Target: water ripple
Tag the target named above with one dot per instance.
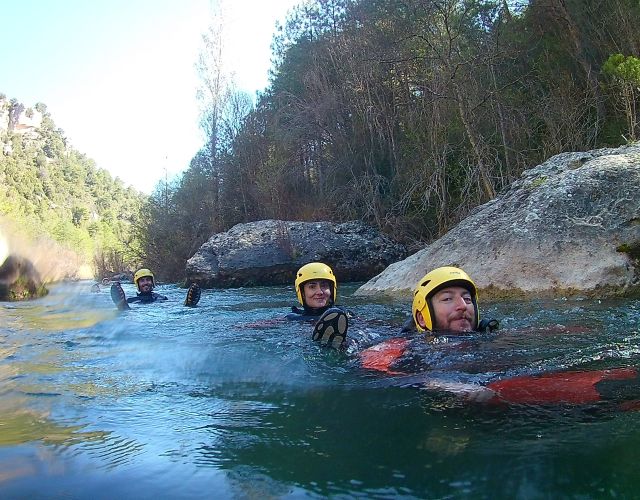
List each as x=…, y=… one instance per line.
x=228, y=397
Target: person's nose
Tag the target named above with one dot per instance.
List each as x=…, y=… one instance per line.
x=461, y=303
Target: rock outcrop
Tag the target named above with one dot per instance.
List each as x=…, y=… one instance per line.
x=568, y=226
x=14, y=117
x=269, y=252
x=19, y=280
x=27, y=265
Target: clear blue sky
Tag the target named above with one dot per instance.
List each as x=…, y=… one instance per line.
x=118, y=76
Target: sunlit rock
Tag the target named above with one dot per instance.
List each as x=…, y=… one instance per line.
x=269, y=252
x=568, y=226
x=85, y=272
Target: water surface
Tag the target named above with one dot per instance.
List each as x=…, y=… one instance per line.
x=164, y=401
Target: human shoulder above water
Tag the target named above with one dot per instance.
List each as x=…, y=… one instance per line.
x=145, y=283
x=445, y=301
x=316, y=288
x=317, y=291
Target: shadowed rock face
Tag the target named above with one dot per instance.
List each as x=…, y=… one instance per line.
x=19, y=280
x=269, y=252
x=568, y=226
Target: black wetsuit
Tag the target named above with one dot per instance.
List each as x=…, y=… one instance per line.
x=147, y=298
x=486, y=325
x=312, y=314
x=306, y=313
x=406, y=354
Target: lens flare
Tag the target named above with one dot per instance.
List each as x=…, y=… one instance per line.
x=4, y=249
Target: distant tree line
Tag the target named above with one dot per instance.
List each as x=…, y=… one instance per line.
x=404, y=113
x=50, y=190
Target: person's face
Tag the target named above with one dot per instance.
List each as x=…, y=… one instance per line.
x=145, y=284
x=317, y=293
x=453, y=310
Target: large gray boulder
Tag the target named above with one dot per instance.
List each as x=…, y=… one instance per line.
x=569, y=226
x=269, y=252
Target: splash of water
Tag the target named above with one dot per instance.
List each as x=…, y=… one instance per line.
x=4, y=248
x=52, y=261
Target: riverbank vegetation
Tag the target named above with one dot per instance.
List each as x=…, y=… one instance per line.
x=55, y=200
x=407, y=114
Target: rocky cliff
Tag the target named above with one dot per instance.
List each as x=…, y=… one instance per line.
x=269, y=252
x=15, y=117
x=568, y=226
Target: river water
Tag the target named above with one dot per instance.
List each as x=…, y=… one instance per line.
x=164, y=401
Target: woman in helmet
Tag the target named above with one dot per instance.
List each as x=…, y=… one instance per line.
x=145, y=282
x=317, y=288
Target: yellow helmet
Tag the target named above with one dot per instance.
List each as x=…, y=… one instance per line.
x=141, y=273
x=435, y=281
x=314, y=271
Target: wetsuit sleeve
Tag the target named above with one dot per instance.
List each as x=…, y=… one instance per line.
x=381, y=357
x=488, y=325
x=298, y=314
x=409, y=326
x=561, y=387
x=299, y=317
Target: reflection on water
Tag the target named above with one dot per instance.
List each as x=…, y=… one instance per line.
x=169, y=401
x=20, y=425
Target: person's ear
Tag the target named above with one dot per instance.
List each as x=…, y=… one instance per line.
x=420, y=320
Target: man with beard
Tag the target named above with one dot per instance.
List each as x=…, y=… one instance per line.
x=445, y=307
x=445, y=302
x=145, y=282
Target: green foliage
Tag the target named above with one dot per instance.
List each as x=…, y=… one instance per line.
x=49, y=189
x=625, y=73
x=177, y=219
x=22, y=289
x=631, y=249
x=626, y=69
x=405, y=114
